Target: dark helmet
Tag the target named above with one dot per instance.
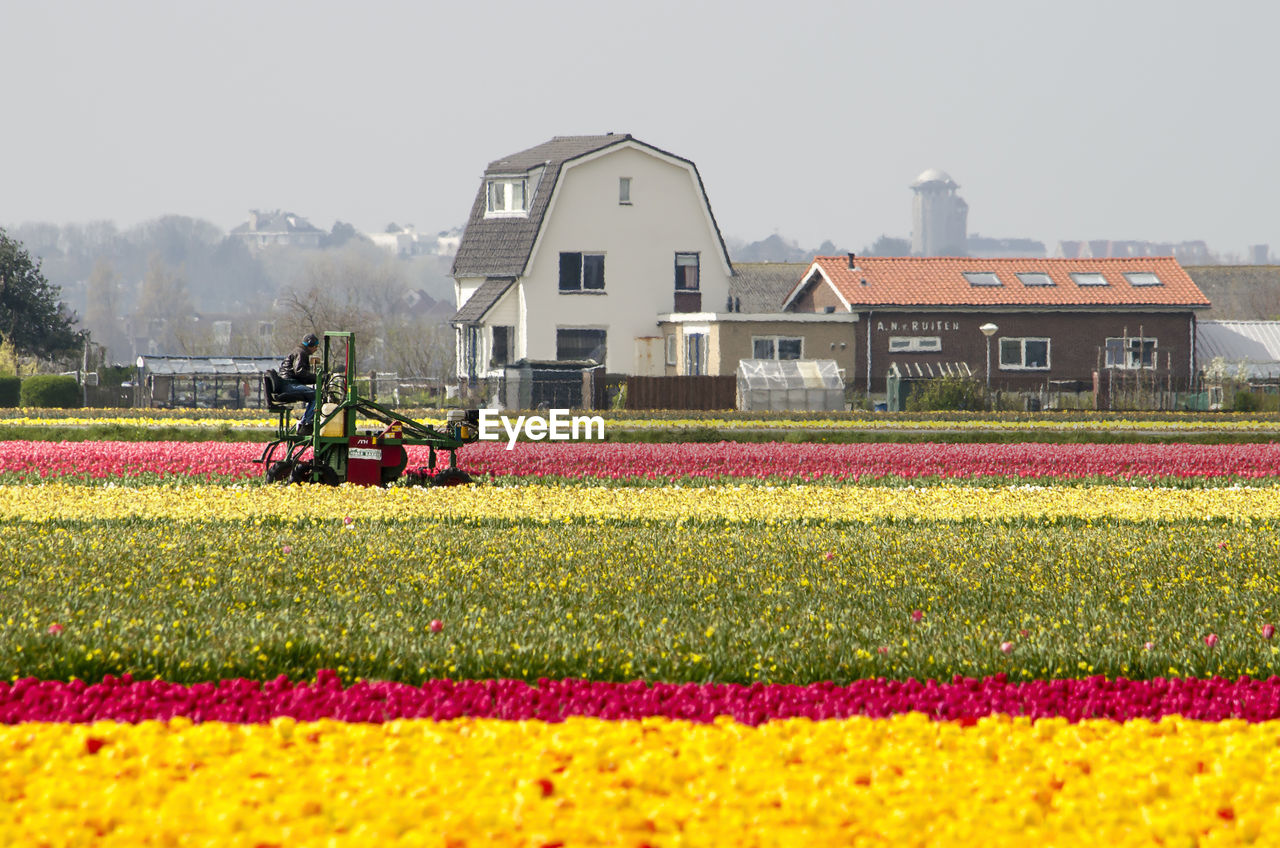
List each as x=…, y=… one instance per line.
x=310, y=340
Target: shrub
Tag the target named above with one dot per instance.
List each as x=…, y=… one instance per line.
x=1246, y=402
x=50, y=391
x=114, y=375
x=10, y=391
x=947, y=393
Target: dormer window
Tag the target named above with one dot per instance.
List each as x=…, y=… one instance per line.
x=508, y=198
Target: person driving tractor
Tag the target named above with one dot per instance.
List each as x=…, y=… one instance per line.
x=299, y=380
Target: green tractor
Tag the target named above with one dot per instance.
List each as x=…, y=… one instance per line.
x=333, y=452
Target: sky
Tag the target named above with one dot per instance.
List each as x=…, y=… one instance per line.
x=1059, y=120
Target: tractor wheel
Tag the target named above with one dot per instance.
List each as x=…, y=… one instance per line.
x=416, y=477
x=279, y=472
x=302, y=474
x=452, y=477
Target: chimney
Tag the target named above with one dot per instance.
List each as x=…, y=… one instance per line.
x=852, y=262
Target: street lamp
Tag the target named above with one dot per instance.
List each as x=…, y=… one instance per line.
x=137, y=383
x=988, y=329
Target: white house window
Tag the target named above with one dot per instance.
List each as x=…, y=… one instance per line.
x=1088, y=279
x=581, y=272
x=671, y=350
x=576, y=343
x=624, y=191
x=915, y=344
x=982, y=278
x=687, y=272
x=501, y=350
x=507, y=198
x=1131, y=353
x=1024, y=354
x=695, y=354
x=777, y=347
x=266, y=329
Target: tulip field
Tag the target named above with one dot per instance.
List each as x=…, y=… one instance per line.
x=644, y=644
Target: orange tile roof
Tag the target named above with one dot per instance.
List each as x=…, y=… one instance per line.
x=940, y=281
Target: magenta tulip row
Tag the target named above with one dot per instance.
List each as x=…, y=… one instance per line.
x=963, y=699
x=660, y=461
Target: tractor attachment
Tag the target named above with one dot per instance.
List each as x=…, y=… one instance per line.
x=333, y=452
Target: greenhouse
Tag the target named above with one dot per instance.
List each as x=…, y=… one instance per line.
x=810, y=385
x=204, y=382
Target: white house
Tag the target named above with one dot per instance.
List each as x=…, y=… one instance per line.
x=266, y=229
x=573, y=250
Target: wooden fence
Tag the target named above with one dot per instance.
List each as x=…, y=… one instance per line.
x=682, y=392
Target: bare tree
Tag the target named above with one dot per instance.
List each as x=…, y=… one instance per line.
x=164, y=308
x=104, y=310
x=358, y=289
x=420, y=349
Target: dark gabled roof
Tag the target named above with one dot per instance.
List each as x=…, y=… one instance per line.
x=482, y=300
x=275, y=221
x=501, y=246
x=763, y=286
x=1239, y=292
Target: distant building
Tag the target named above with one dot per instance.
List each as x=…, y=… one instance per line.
x=1004, y=248
x=406, y=241
x=447, y=241
x=403, y=241
x=939, y=216
x=1259, y=254
x=1186, y=252
x=265, y=229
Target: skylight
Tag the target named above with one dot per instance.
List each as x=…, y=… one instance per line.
x=1089, y=279
x=1035, y=278
x=982, y=278
x=1142, y=278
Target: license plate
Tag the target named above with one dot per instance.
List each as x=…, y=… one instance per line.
x=365, y=453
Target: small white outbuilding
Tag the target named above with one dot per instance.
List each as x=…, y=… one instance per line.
x=809, y=385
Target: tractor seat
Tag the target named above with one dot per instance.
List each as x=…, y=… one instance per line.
x=271, y=386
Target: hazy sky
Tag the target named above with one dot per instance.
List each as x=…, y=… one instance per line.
x=1059, y=120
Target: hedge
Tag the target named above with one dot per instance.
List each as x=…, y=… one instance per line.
x=10, y=391
x=51, y=391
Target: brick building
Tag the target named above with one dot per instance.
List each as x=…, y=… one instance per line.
x=1055, y=320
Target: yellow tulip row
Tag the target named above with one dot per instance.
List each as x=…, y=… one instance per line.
x=258, y=423
x=248, y=420
x=747, y=503
x=902, y=781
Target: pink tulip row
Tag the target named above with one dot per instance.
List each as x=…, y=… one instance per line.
x=857, y=461
x=128, y=459
x=663, y=461
x=963, y=699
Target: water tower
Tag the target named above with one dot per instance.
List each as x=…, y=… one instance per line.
x=939, y=216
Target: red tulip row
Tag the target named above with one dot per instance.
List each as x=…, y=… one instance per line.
x=663, y=461
x=963, y=699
